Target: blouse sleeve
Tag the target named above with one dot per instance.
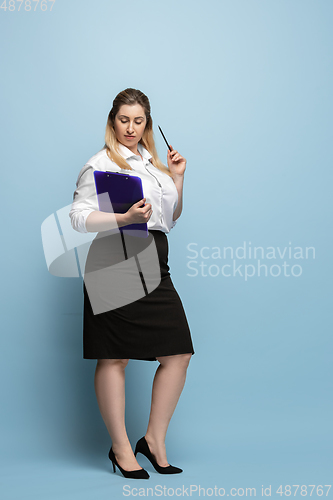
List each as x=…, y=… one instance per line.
x=84, y=199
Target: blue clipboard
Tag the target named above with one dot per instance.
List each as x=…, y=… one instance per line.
x=124, y=190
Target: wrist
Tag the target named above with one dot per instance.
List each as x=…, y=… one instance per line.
x=122, y=219
x=178, y=180
x=177, y=177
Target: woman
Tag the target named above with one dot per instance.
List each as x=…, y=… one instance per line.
x=153, y=327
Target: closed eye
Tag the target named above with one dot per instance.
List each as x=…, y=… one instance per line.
x=137, y=122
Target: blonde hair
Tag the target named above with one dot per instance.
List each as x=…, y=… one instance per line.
x=131, y=97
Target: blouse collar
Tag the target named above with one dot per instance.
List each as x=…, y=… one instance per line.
x=127, y=153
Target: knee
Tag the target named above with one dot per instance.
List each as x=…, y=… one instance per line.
x=115, y=363
x=185, y=359
x=179, y=360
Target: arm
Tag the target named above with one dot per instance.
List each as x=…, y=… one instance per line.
x=86, y=216
x=84, y=200
x=177, y=166
x=179, y=182
x=104, y=221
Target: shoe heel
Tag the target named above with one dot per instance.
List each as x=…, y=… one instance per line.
x=142, y=447
x=134, y=474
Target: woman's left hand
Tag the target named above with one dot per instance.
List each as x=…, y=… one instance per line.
x=176, y=162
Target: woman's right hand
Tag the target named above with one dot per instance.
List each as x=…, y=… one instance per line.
x=138, y=214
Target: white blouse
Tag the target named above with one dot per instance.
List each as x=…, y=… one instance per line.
x=158, y=188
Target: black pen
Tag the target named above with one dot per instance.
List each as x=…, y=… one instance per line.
x=170, y=148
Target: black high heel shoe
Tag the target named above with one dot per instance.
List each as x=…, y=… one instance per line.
x=142, y=447
x=133, y=474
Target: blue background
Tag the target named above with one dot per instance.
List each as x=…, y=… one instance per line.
x=243, y=89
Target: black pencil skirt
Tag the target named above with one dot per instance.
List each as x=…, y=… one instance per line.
x=132, y=271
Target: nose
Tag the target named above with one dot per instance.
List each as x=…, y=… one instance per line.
x=130, y=128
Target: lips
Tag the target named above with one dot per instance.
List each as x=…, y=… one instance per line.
x=130, y=136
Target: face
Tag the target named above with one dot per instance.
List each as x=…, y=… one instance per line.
x=129, y=125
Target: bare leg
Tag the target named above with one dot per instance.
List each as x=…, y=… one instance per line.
x=110, y=393
x=167, y=387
